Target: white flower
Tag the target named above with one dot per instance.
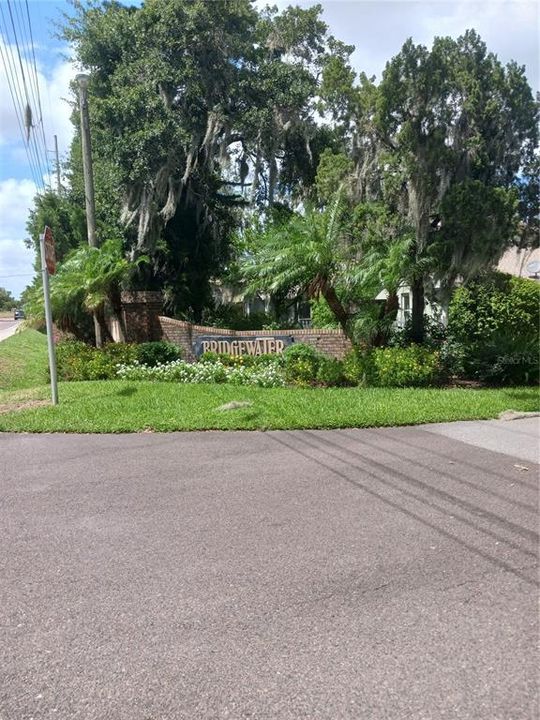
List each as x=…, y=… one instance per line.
x=268, y=375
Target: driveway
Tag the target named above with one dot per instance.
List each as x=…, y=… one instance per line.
x=281, y=575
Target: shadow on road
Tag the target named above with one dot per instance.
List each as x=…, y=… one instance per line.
x=407, y=481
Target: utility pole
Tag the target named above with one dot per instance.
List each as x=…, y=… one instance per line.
x=58, y=183
x=83, y=79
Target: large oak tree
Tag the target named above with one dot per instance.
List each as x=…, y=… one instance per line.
x=462, y=127
x=198, y=107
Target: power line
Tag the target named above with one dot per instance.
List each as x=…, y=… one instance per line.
x=4, y=277
x=25, y=42
x=15, y=97
x=23, y=74
x=41, y=153
x=27, y=103
x=37, y=87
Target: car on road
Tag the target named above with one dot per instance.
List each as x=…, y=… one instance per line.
x=18, y=314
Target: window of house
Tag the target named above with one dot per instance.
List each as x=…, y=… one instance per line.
x=406, y=305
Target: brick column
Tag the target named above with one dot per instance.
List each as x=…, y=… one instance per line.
x=140, y=311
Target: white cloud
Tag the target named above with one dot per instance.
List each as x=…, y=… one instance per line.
x=378, y=28
x=16, y=261
x=509, y=28
x=53, y=82
x=16, y=195
x=59, y=106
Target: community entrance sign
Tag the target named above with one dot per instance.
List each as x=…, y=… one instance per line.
x=238, y=345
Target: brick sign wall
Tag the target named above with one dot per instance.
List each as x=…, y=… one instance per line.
x=141, y=310
x=194, y=339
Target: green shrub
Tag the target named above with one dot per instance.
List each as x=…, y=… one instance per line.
x=331, y=373
x=156, y=353
x=358, y=367
x=210, y=357
x=268, y=359
x=241, y=360
x=403, y=367
x=301, y=351
x=236, y=360
x=78, y=361
x=452, y=359
x=105, y=361
x=321, y=315
x=435, y=334
x=72, y=359
x=495, y=323
x=301, y=363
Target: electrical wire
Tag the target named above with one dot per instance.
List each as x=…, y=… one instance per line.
x=4, y=277
x=36, y=79
x=16, y=93
x=24, y=88
x=40, y=151
x=11, y=77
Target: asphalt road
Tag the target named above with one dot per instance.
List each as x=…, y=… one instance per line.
x=350, y=574
x=8, y=328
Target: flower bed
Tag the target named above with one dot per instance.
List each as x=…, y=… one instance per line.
x=204, y=372
x=301, y=366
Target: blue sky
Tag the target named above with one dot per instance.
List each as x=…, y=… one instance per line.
x=377, y=29
x=49, y=57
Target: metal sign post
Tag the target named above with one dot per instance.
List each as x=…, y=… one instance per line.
x=48, y=267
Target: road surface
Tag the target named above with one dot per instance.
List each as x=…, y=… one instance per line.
x=318, y=574
x=8, y=328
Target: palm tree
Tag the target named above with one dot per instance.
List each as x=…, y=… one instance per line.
x=306, y=253
x=87, y=279
x=94, y=276
x=321, y=253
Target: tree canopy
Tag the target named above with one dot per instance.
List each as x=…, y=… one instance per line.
x=208, y=118
x=198, y=109
x=7, y=301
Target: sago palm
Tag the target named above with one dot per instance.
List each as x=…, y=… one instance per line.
x=305, y=253
x=87, y=278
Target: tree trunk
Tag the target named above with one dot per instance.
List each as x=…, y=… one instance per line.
x=116, y=311
x=419, y=209
x=272, y=176
x=418, y=307
x=256, y=170
x=337, y=308
x=387, y=315
x=98, y=331
x=100, y=327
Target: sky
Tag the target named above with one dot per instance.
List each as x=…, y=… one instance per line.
x=377, y=29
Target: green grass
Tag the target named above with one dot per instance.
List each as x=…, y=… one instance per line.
x=120, y=406
x=23, y=360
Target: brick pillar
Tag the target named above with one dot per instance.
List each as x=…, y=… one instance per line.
x=140, y=311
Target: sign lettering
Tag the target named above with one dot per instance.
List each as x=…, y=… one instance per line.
x=241, y=346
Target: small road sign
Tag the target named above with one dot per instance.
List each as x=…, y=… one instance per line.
x=50, y=254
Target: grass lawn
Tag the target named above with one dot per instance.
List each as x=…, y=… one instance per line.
x=121, y=406
x=23, y=361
